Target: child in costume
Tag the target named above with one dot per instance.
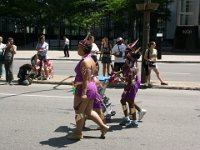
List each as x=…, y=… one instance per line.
x=132, y=84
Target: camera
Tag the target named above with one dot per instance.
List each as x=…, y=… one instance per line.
x=152, y=64
x=119, y=54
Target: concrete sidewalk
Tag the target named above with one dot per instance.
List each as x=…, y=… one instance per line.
x=59, y=55
x=67, y=80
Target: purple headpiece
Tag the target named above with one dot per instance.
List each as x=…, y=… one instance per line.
x=131, y=45
x=87, y=45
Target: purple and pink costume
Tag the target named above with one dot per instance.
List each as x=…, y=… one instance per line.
x=92, y=92
x=135, y=84
x=97, y=100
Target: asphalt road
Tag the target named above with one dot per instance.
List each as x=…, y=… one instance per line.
x=169, y=71
x=38, y=117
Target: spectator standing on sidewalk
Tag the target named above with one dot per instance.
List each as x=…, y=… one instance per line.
x=151, y=58
x=2, y=47
x=10, y=51
x=106, y=51
x=119, y=52
x=42, y=48
x=66, y=46
x=94, y=51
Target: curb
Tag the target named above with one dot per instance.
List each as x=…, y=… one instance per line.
x=59, y=59
x=73, y=59
x=174, y=87
x=119, y=85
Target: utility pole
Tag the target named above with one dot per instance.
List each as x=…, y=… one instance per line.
x=146, y=7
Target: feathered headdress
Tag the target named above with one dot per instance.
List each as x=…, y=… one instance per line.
x=131, y=45
x=86, y=44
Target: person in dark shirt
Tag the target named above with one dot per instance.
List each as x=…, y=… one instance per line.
x=9, y=53
x=24, y=74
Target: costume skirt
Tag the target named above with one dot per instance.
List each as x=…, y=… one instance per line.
x=131, y=93
x=91, y=93
x=97, y=101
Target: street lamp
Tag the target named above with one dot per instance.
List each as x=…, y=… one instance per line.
x=146, y=8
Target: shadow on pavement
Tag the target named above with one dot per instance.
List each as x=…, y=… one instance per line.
x=58, y=142
x=63, y=129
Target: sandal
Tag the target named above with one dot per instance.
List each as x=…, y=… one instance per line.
x=74, y=136
x=104, y=131
x=163, y=83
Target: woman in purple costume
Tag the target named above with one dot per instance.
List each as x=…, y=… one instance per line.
x=86, y=92
x=132, y=84
x=97, y=106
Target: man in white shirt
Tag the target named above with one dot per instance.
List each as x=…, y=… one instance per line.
x=2, y=47
x=119, y=52
x=66, y=46
x=94, y=52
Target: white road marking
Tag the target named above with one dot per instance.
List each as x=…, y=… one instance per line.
x=30, y=95
x=179, y=73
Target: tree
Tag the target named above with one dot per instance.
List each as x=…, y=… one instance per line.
x=122, y=14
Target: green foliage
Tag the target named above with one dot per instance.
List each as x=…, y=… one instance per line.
x=83, y=13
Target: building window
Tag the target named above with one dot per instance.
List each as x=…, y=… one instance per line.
x=186, y=12
x=187, y=5
x=199, y=15
x=186, y=19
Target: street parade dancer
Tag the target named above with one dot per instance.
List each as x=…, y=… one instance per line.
x=132, y=84
x=86, y=92
x=98, y=101
x=97, y=104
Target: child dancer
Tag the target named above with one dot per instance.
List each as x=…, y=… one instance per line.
x=132, y=83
